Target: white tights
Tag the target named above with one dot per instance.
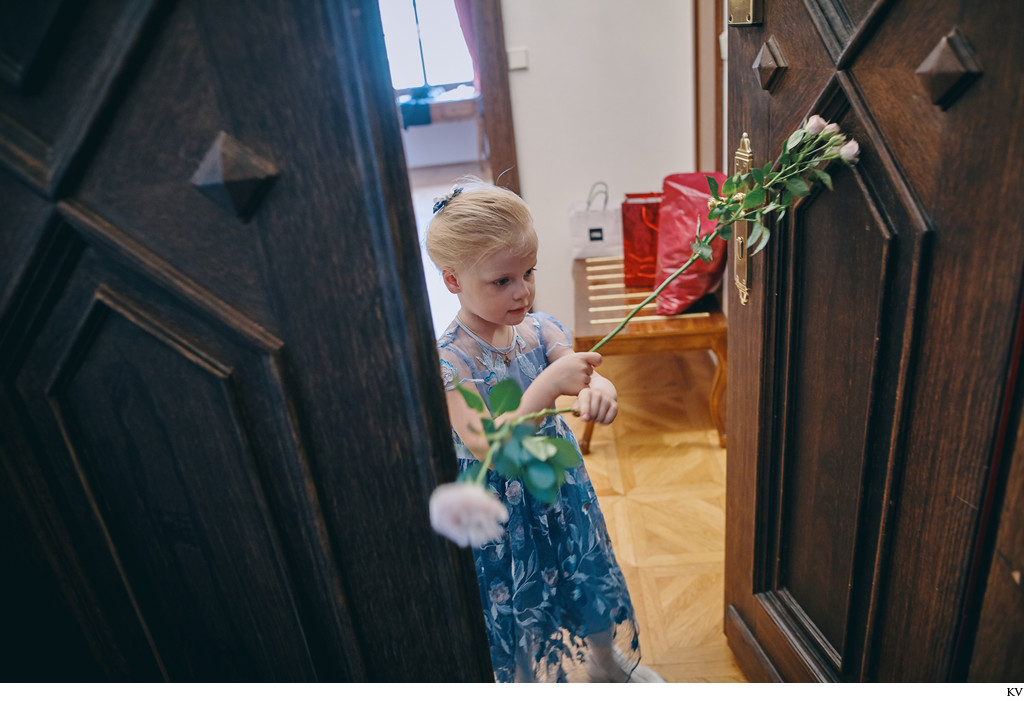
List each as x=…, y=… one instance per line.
x=606, y=663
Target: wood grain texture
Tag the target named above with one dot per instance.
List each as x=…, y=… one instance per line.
x=864, y=363
x=998, y=637
x=49, y=133
x=229, y=431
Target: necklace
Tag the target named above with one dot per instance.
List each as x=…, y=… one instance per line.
x=506, y=354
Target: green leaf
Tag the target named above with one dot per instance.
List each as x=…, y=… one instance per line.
x=795, y=138
x=823, y=177
x=542, y=481
x=548, y=496
x=725, y=233
x=473, y=400
x=787, y=197
x=539, y=475
x=758, y=176
x=782, y=213
x=703, y=250
x=762, y=243
x=753, y=198
x=798, y=187
x=505, y=396
x=489, y=427
x=510, y=458
x=523, y=431
x=538, y=447
x=713, y=187
x=730, y=185
x=471, y=472
x=565, y=456
x=756, y=233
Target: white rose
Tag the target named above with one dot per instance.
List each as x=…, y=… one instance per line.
x=467, y=514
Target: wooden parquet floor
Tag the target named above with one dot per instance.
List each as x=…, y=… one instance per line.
x=660, y=479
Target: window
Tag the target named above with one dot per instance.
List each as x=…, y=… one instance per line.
x=425, y=44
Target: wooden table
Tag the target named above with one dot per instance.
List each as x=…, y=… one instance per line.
x=602, y=301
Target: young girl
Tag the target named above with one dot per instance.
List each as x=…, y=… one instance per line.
x=555, y=601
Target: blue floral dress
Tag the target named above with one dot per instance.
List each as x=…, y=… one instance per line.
x=551, y=585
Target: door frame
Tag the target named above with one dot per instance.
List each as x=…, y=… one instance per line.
x=497, y=99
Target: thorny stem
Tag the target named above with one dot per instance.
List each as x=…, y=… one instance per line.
x=798, y=168
x=544, y=412
x=795, y=169
x=803, y=163
x=710, y=237
x=488, y=459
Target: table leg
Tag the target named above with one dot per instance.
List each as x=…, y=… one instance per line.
x=588, y=431
x=718, y=346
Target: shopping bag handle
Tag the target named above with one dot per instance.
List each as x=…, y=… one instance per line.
x=643, y=215
x=603, y=191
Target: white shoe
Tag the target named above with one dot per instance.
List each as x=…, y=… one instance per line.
x=643, y=674
x=618, y=669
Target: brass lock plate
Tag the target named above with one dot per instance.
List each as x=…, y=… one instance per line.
x=745, y=12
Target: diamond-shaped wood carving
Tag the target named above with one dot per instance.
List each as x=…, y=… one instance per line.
x=234, y=176
x=770, y=64
x=949, y=69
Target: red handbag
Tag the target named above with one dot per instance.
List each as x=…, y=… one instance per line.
x=684, y=200
x=640, y=212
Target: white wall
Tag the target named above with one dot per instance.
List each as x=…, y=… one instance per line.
x=441, y=143
x=607, y=95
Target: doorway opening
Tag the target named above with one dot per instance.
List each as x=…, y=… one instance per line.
x=658, y=471
x=426, y=183
x=447, y=71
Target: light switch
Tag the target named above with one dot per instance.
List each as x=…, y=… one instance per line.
x=518, y=60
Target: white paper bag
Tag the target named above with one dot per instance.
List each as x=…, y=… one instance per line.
x=595, y=227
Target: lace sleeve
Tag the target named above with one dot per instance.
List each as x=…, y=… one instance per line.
x=453, y=369
x=553, y=333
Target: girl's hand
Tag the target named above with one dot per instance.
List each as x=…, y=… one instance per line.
x=598, y=402
x=571, y=373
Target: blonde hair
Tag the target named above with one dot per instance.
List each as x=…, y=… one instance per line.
x=477, y=222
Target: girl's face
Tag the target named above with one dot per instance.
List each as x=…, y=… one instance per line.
x=496, y=292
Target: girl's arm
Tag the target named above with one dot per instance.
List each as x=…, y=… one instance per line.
x=466, y=422
x=569, y=373
x=598, y=401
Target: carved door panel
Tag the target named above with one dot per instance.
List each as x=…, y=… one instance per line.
x=221, y=418
x=869, y=369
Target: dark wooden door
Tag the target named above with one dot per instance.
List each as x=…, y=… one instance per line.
x=870, y=373
x=220, y=412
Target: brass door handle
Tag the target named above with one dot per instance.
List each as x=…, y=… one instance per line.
x=741, y=229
